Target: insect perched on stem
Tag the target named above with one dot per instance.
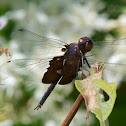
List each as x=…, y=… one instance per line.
x=63, y=68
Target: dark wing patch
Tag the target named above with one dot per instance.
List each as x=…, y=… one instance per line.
x=69, y=72
x=53, y=73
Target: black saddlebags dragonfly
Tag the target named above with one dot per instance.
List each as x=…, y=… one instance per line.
x=52, y=61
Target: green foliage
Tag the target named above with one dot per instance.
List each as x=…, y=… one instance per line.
x=100, y=35
x=92, y=90
x=7, y=31
x=4, y=10
x=105, y=107
x=113, y=8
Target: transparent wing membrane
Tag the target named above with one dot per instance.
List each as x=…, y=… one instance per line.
x=39, y=50
x=33, y=45
x=28, y=69
x=113, y=72
x=109, y=51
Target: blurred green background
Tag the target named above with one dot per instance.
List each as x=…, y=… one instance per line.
x=68, y=21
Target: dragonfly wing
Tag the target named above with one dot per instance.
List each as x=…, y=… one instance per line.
x=112, y=53
x=106, y=50
x=27, y=69
x=53, y=73
x=113, y=72
x=33, y=45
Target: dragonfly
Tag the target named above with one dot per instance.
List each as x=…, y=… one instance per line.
x=52, y=61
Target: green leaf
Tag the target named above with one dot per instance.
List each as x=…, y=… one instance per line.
x=90, y=88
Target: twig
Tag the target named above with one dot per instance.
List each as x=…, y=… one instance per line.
x=74, y=108
x=88, y=117
x=4, y=107
x=7, y=52
x=4, y=112
x=73, y=111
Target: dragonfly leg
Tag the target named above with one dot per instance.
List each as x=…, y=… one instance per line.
x=45, y=96
x=78, y=67
x=87, y=62
x=83, y=68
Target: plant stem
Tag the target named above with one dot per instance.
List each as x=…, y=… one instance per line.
x=73, y=111
x=104, y=123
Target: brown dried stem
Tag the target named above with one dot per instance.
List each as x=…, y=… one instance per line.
x=73, y=111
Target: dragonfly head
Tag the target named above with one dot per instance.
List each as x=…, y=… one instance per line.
x=85, y=44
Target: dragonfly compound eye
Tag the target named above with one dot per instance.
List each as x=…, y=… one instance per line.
x=85, y=44
x=89, y=46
